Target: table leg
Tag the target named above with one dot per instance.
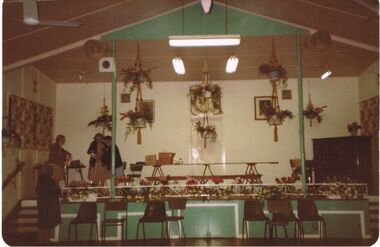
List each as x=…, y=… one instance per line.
x=80, y=173
x=66, y=175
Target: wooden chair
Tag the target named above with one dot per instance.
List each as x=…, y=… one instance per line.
x=253, y=212
x=114, y=206
x=282, y=214
x=136, y=170
x=155, y=212
x=307, y=211
x=177, y=203
x=87, y=214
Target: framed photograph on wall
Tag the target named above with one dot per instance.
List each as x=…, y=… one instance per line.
x=259, y=103
x=148, y=108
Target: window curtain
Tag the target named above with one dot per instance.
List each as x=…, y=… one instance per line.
x=33, y=122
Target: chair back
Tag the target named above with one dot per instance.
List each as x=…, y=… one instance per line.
x=87, y=212
x=115, y=205
x=137, y=167
x=281, y=208
x=155, y=210
x=177, y=203
x=253, y=210
x=307, y=210
x=295, y=163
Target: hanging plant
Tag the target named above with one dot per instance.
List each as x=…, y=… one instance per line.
x=137, y=119
x=104, y=120
x=206, y=132
x=201, y=94
x=312, y=112
x=274, y=70
x=134, y=76
x=276, y=116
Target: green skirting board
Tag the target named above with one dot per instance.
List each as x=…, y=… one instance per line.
x=223, y=219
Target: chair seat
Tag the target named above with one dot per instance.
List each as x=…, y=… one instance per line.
x=312, y=218
x=83, y=221
x=110, y=221
x=144, y=220
x=255, y=218
x=134, y=175
x=174, y=218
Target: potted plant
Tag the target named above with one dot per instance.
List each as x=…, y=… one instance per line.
x=206, y=132
x=276, y=116
x=353, y=128
x=312, y=112
x=136, y=75
x=275, y=72
x=104, y=120
x=137, y=119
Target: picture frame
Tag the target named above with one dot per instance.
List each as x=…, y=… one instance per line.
x=125, y=98
x=259, y=104
x=286, y=94
x=148, y=107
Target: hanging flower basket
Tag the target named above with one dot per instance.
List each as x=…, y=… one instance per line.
x=207, y=132
x=134, y=76
x=276, y=116
x=274, y=73
x=312, y=113
x=200, y=95
x=137, y=119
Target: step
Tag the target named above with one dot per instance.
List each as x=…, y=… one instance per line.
x=23, y=229
x=28, y=211
x=25, y=220
x=29, y=203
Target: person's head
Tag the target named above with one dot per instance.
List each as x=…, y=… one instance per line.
x=107, y=140
x=46, y=170
x=60, y=139
x=98, y=137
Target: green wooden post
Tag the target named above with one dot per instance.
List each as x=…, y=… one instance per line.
x=300, y=110
x=113, y=122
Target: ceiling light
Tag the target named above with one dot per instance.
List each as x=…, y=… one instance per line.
x=204, y=40
x=326, y=74
x=178, y=66
x=232, y=64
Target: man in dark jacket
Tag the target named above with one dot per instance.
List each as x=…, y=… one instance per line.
x=107, y=157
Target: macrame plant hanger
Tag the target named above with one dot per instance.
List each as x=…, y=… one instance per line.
x=138, y=107
x=205, y=82
x=273, y=62
x=310, y=103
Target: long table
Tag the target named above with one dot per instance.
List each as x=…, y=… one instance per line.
x=251, y=174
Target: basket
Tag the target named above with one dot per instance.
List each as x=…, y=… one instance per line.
x=165, y=158
x=151, y=160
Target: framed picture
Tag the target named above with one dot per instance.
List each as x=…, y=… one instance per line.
x=286, y=94
x=259, y=103
x=125, y=98
x=148, y=107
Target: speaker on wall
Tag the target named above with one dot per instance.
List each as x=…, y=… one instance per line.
x=107, y=64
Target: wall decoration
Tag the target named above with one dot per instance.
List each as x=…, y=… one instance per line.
x=125, y=98
x=353, y=128
x=205, y=99
x=104, y=120
x=133, y=78
x=260, y=103
x=277, y=76
x=32, y=122
x=311, y=112
x=286, y=94
x=147, y=106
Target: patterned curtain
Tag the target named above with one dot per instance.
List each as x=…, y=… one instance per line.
x=369, y=120
x=32, y=121
x=43, y=126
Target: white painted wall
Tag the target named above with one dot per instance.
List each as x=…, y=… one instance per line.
x=20, y=82
x=244, y=138
x=369, y=82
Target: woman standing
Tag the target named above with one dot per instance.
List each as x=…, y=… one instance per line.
x=58, y=157
x=97, y=174
x=48, y=207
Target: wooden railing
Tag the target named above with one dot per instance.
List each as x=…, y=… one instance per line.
x=7, y=181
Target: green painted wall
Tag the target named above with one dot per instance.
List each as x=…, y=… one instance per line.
x=192, y=21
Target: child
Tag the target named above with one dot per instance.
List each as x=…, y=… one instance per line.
x=48, y=207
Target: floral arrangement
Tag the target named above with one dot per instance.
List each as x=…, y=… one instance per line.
x=137, y=119
x=217, y=180
x=164, y=180
x=190, y=180
x=312, y=112
x=206, y=132
x=199, y=95
x=271, y=192
x=274, y=72
x=276, y=116
x=353, y=128
x=134, y=76
x=123, y=179
x=104, y=120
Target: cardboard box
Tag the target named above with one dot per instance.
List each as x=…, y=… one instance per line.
x=165, y=158
x=151, y=159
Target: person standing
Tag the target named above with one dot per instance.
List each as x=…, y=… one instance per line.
x=48, y=207
x=58, y=157
x=107, y=158
x=97, y=173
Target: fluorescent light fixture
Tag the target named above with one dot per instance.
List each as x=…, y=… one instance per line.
x=232, y=64
x=326, y=74
x=178, y=65
x=204, y=40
